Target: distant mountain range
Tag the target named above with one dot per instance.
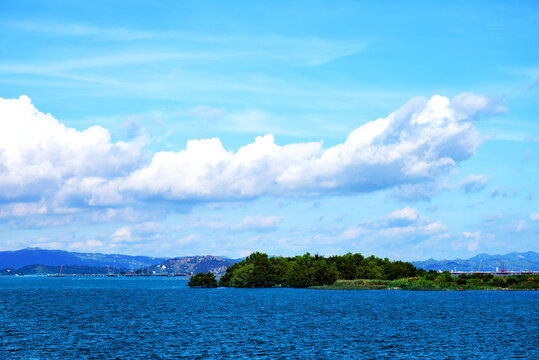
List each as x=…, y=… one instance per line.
x=40, y=261
x=49, y=261
x=32, y=256
x=514, y=261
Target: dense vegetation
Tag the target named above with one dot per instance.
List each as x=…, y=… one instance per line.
x=203, y=280
x=442, y=281
x=259, y=270
x=353, y=271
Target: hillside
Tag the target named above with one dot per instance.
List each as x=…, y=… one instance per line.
x=26, y=261
x=195, y=264
x=31, y=256
x=66, y=270
x=513, y=261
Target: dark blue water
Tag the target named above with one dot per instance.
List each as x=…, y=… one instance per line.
x=160, y=318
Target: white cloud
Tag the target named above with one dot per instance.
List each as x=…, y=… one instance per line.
x=303, y=50
x=473, y=183
x=520, y=225
x=497, y=192
x=123, y=234
x=425, y=229
x=472, y=240
x=93, y=191
x=405, y=225
x=84, y=245
x=407, y=213
x=472, y=104
x=119, y=34
x=409, y=222
x=44, y=161
x=417, y=143
x=137, y=233
x=534, y=216
x=206, y=112
x=416, y=192
x=53, y=245
x=352, y=232
x=186, y=240
x=22, y=209
x=257, y=223
x=38, y=155
x=434, y=227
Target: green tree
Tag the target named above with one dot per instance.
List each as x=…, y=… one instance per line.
x=399, y=269
x=205, y=280
x=258, y=270
x=431, y=275
x=323, y=273
x=445, y=277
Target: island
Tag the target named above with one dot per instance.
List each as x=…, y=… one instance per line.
x=355, y=272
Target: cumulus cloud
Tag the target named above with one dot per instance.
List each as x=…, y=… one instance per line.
x=123, y=234
x=415, y=144
x=42, y=160
x=22, y=209
x=38, y=154
x=400, y=226
x=409, y=222
x=534, y=216
x=407, y=213
x=137, y=233
x=473, y=183
x=421, y=229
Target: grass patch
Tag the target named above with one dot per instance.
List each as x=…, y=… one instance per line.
x=429, y=285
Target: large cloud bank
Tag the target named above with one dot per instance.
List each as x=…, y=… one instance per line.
x=416, y=143
x=43, y=161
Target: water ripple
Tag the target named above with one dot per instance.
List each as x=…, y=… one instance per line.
x=126, y=318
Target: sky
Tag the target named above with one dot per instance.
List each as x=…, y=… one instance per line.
x=406, y=130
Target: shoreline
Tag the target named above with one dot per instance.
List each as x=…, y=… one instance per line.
x=415, y=284
x=416, y=289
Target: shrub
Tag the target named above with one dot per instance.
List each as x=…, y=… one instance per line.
x=203, y=280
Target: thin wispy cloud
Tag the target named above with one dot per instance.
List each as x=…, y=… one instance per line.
x=271, y=47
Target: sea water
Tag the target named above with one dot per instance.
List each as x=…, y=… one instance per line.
x=161, y=318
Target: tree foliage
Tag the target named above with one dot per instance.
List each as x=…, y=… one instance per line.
x=203, y=280
x=259, y=270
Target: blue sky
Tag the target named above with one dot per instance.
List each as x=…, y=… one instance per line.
x=406, y=130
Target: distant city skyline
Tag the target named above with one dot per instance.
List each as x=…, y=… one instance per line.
x=406, y=131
